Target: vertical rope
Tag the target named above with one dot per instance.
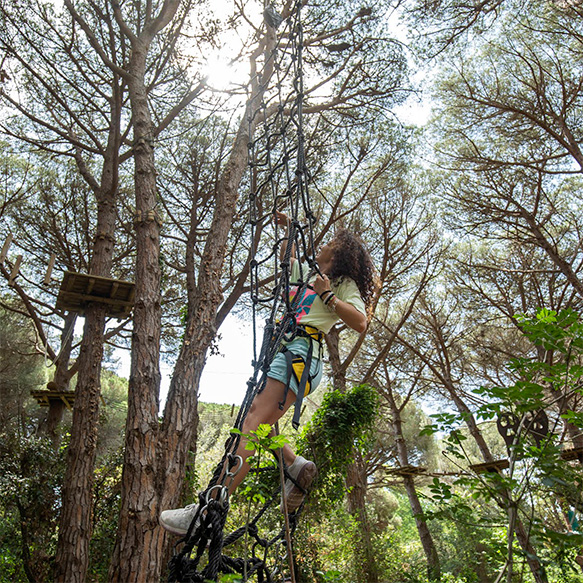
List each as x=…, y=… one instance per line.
x=288, y=540
x=278, y=181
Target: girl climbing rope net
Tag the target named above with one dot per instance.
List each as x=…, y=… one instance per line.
x=311, y=292
x=341, y=289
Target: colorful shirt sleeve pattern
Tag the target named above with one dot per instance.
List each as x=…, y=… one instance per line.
x=311, y=310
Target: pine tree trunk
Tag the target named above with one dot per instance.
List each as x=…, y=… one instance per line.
x=431, y=556
x=338, y=371
x=367, y=570
x=355, y=479
x=536, y=568
x=138, y=521
x=76, y=521
x=470, y=422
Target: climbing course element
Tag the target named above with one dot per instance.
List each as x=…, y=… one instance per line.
x=278, y=181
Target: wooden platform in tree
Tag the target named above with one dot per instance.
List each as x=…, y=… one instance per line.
x=573, y=453
x=45, y=396
x=407, y=471
x=78, y=290
x=495, y=466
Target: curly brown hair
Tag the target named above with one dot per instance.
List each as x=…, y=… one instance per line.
x=351, y=259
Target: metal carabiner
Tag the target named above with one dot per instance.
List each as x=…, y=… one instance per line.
x=230, y=474
x=221, y=497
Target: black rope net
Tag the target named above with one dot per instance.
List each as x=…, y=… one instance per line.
x=278, y=182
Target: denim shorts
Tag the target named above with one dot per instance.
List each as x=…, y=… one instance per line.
x=298, y=346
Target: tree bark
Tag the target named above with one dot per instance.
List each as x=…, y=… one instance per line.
x=76, y=521
x=338, y=371
x=523, y=538
x=551, y=250
x=471, y=424
x=367, y=571
x=138, y=515
x=431, y=556
x=180, y=413
x=521, y=534
x=355, y=478
x=536, y=568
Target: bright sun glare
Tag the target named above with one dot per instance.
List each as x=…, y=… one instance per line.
x=224, y=67
x=221, y=74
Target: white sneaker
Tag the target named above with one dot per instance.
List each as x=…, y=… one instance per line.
x=178, y=521
x=303, y=472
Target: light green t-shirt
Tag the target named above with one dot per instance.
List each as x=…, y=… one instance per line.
x=311, y=310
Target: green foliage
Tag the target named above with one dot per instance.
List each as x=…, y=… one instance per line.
x=112, y=414
x=325, y=547
x=32, y=466
x=31, y=473
x=106, y=491
x=537, y=474
x=31, y=469
x=229, y=579
x=343, y=422
x=21, y=369
x=260, y=442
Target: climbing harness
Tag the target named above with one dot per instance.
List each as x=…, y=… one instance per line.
x=275, y=116
x=300, y=368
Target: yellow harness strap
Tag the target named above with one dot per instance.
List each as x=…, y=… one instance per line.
x=314, y=333
x=298, y=366
x=301, y=368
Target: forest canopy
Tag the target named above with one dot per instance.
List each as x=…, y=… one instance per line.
x=446, y=134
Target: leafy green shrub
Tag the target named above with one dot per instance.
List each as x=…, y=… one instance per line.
x=31, y=473
x=342, y=424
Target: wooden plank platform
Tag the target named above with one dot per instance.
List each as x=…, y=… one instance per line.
x=495, y=466
x=407, y=471
x=78, y=290
x=573, y=453
x=45, y=396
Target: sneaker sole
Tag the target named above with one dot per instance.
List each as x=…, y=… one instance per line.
x=305, y=478
x=172, y=529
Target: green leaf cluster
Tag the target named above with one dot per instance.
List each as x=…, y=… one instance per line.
x=342, y=425
x=261, y=441
x=549, y=382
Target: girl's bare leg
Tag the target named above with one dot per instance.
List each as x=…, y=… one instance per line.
x=264, y=409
